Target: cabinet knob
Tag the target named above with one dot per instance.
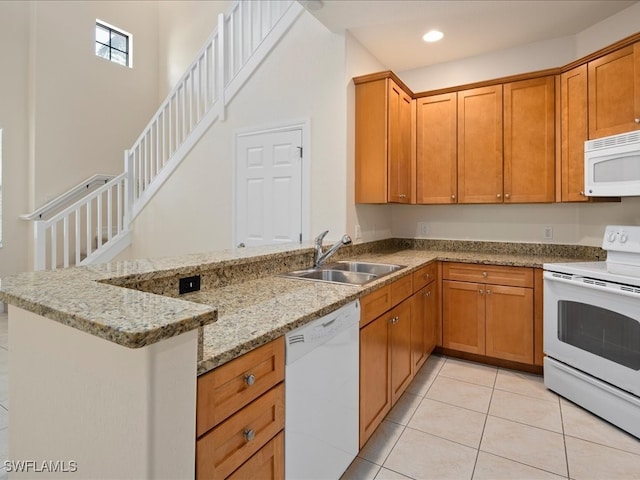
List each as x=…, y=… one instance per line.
x=394, y=320
x=426, y=276
x=507, y=196
x=637, y=120
x=402, y=195
x=485, y=274
x=480, y=291
x=582, y=194
x=499, y=195
x=453, y=197
x=249, y=434
x=249, y=379
x=488, y=292
x=427, y=294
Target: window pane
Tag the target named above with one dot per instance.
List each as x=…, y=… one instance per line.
x=102, y=51
x=118, y=41
x=119, y=57
x=102, y=34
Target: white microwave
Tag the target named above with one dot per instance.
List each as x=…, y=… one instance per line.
x=612, y=166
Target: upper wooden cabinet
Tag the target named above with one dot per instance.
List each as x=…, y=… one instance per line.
x=480, y=145
x=574, y=132
x=383, y=141
x=436, y=149
x=529, y=141
x=614, y=92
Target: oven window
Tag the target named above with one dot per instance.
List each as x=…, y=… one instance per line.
x=602, y=332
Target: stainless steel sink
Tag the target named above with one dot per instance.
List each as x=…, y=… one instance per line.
x=378, y=269
x=345, y=272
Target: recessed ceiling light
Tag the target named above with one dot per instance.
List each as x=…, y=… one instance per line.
x=433, y=36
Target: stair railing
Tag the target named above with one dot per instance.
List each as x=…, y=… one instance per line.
x=81, y=232
x=243, y=37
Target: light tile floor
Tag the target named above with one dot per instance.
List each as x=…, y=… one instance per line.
x=462, y=420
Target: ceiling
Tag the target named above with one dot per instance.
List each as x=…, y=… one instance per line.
x=392, y=29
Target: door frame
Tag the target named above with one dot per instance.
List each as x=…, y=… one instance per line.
x=301, y=124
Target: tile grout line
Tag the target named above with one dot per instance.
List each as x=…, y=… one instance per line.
x=564, y=438
x=484, y=426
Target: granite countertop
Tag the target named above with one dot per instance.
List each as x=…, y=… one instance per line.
x=258, y=311
x=242, y=302
x=92, y=298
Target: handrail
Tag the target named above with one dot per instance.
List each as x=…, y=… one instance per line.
x=66, y=196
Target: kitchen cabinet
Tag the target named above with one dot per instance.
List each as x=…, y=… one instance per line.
x=529, y=141
x=480, y=145
x=574, y=132
x=385, y=352
x=436, y=149
x=384, y=123
x=488, y=310
x=424, y=314
x=614, y=92
x=538, y=316
x=239, y=415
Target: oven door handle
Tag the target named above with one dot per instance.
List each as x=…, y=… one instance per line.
x=577, y=281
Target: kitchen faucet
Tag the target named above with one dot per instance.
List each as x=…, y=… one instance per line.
x=320, y=258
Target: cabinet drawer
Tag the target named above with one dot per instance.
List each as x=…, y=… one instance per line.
x=491, y=274
x=228, y=445
x=266, y=464
x=401, y=289
x=228, y=388
x=424, y=276
x=375, y=304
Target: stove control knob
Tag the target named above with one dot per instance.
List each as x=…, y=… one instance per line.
x=623, y=237
x=611, y=237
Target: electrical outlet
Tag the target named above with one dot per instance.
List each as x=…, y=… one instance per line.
x=423, y=228
x=189, y=284
x=358, y=232
x=548, y=233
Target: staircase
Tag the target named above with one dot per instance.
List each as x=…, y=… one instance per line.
x=95, y=228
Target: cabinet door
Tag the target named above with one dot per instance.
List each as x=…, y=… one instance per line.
x=614, y=92
x=575, y=131
x=371, y=142
x=436, y=149
x=480, y=145
x=529, y=141
x=432, y=317
x=375, y=375
x=266, y=464
x=463, y=324
x=401, y=364
x=509, y=323
x=399, y=156
x=418, y=329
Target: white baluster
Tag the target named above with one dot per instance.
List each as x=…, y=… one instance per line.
x=65, y=241
x=40, y=245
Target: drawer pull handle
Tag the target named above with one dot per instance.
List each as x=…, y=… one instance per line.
x=484, y=274
x=249, y=379
x=427, y=294
x=249, y=434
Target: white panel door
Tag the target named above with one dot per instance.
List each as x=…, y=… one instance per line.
x=269, y=188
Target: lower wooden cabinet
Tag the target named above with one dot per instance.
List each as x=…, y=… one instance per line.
x=486, y=318
x=240, y=417
x=424, y=320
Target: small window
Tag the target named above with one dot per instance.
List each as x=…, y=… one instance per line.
x=113, y=44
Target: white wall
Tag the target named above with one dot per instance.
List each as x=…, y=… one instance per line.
x=185, y=25
x=66, y=113
x=14, y=54
x=86, y=110
x=572, y=223
x=302, y=78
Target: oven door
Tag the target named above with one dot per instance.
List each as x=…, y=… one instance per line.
x=594, y=326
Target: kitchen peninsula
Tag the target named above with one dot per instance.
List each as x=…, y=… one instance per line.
x=104, y=359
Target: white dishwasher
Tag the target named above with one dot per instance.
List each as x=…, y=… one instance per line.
x=322, y=388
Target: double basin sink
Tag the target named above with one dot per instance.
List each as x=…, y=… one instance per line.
x=346, y=272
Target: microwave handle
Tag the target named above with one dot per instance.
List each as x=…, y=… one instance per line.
x=601, y=288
